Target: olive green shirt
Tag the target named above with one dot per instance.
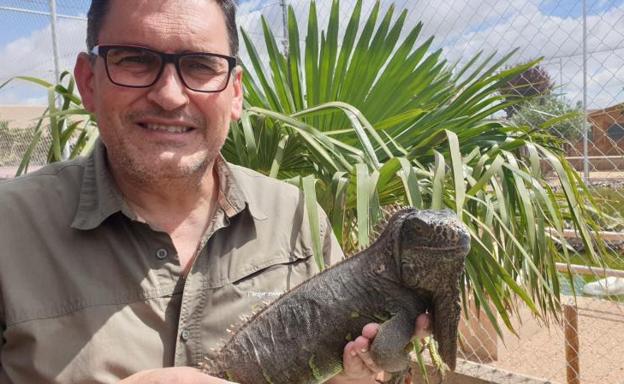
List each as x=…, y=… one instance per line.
x=89, y=294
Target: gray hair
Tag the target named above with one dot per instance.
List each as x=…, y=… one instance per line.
x=99, y=9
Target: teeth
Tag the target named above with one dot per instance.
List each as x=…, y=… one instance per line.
x=167, y=128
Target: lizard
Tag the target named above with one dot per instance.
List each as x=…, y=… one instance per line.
x=414, y=266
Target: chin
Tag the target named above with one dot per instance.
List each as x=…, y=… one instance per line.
x=174, y=168
x=147, y=165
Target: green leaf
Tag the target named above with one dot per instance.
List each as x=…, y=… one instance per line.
x=309, y=192
x=410, y=183
x=55, y=127
x=294, y=61
x=339, y=188
x=312, y=58
x=363, y=204
x=458, y=172
x=439, y=174
x=279, y=156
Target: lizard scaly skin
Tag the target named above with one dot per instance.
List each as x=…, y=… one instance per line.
x=413, y=267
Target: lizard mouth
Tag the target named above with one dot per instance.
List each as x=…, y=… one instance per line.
x=458, y=244
x=461, y=247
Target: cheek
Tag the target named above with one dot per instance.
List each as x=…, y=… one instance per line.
x=215, y=107
x=105, y=99
x=112, y=102
x=110, y=109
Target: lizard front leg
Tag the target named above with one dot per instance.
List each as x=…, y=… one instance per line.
x=388, y=350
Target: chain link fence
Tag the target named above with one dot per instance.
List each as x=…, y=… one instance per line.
x=581, y=76
x=32, y=45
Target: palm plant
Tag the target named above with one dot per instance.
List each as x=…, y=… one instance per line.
x=72, y=129
x=426, y=139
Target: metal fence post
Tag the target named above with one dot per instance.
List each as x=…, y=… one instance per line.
x=57, y=71
x=586, y=125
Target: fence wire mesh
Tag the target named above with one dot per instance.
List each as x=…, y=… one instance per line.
x=580, y=77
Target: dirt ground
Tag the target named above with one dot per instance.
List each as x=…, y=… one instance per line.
x=539, y=352
x=21, y=116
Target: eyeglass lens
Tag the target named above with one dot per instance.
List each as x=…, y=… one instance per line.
x=137, y=67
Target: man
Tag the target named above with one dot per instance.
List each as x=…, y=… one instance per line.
x=141, y=255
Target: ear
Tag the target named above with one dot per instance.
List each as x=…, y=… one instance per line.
x=85, y=78
x=237, y=99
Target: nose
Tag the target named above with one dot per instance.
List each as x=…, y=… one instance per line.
x=169, y=92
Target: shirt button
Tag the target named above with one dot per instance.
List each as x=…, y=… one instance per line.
x=161, y=253
x=185, y=335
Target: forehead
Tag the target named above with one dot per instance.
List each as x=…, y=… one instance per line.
x=166, y=25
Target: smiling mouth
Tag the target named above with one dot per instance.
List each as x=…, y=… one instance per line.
x=166, y=128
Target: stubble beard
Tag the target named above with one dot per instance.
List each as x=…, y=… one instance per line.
x=152, y=170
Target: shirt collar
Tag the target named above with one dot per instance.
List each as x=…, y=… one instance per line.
x=100, y=198
x=233, y=193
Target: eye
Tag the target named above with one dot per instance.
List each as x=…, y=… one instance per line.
x=139, y=59
x=204, y=65
x=420, y=226
x=130, y=57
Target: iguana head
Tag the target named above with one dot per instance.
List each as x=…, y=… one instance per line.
x=430, y=247
x=430, y=243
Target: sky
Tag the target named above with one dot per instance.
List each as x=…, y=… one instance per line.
x=552, y=29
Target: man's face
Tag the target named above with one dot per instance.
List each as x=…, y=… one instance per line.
x=164, y=131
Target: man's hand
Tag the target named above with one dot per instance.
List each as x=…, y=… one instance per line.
x=173, y=375
x=358, y=365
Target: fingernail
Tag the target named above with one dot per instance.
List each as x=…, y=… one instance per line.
x=353, y=353
x=363, y=350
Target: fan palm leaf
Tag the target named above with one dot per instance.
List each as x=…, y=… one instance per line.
x=376, y=119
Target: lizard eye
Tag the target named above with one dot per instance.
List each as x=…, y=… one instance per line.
x=414, y=232
x=419, y=226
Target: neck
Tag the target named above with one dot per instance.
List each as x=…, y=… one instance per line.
x=168, y=203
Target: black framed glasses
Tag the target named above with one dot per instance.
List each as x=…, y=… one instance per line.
x=139, y=67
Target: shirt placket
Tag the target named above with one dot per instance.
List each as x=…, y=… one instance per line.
x=188, y=350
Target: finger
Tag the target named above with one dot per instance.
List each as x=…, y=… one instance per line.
x=354, y=366
x=172, y=375
x=383, y=377
x=350, y=351
x=189, y=375
x=370, y=330
x=214, y=380
x=423, y=326
x=362, y=347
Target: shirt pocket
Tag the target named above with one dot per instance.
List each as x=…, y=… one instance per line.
x=249, y=290
x=273, y=276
